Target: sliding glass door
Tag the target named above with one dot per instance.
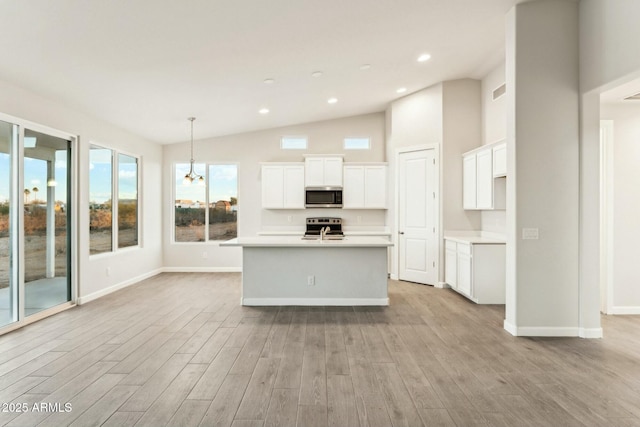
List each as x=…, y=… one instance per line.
x=8, y=282
x=35, y=221
x=46, y=225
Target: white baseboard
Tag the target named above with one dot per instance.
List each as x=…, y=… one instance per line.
x=441, y=285
x=393, y=276
x=202, y=270
x=551, y=331
x=511, y=328
x=625, y=309
x=590, y=333
x=315, y=301
x=95, y=295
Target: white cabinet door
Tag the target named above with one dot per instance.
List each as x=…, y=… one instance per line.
x=333, y=171
x=353, y=189
x=450, y=264
x=293, y=187
x=500, y=160
x=463, y=264
x=272, y=187
x=314, y=172
x=484, y=180
x=323, y=171
x=469, y=182
x=375, y=189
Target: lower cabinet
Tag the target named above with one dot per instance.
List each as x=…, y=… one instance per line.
x=476, y=270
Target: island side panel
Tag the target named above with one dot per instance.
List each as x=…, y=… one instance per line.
x=341, y=276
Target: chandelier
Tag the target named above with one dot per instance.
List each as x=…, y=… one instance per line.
x=192, y=176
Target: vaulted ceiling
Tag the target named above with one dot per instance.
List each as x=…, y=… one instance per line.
x=147, y=65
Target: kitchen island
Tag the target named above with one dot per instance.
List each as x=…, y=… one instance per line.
x=288, y=270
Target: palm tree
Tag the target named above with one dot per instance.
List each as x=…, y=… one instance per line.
x=35, y=191
x=27, y=192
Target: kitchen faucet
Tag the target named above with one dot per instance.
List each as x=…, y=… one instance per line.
x=324, y=231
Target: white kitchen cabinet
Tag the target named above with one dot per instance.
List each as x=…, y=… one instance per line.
x=484, y=180
x=469, y=182
x=500, y=160
x=475, y=267
x=283, y=186
x=365, y=186
x=451, y=264
x=323, y=171
x=481, y=189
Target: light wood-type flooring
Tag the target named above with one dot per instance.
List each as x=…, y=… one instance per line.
x=179, y=350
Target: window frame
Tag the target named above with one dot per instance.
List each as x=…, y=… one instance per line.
x=115, y=171
x=206, y=240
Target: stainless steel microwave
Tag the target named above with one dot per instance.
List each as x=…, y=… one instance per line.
x=323, y=197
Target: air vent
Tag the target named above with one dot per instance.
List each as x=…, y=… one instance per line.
x=635, y=97
x=499, y=91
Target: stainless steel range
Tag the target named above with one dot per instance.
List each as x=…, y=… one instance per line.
x=324, y=228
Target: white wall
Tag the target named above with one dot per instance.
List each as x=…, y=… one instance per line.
x=626, y=205
x=608, y=58
x=448, y=115
x=494, y=129
x=543, y=168
x=248, y=150
x=126, y=265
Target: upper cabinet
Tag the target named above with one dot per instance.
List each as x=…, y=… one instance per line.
x=482, y=168
x=365, y=186
x=283, y=186
x=323, y=171
x=500, y=160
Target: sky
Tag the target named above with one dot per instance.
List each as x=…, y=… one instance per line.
x=35, y=175
x=100, y=168
x=223, y=183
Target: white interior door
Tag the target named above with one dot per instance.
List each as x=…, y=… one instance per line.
x=417, y=239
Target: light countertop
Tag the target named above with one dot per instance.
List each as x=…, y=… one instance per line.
x=297, y=241
x=475, y=240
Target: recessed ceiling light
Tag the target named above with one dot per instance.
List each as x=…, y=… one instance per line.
x=269, y=81
x=365, y=66
x=424, y=57
x=316, y=74
x=263, y=111
x=332, y=100
x=401, y=90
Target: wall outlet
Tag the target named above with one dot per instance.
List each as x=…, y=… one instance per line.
x=529, y=234
x=311, y=280
x=108, y=271
x=205, y=255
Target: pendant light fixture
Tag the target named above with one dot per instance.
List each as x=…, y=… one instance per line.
x=192, y=176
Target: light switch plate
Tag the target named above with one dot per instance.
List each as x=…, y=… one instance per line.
x=529, y=234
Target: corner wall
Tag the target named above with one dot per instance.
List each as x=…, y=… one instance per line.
x=543, y=169
x=609, y=56
x=626, y=207
x=126, y=266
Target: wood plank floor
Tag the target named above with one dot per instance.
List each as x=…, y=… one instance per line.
x=178, y=350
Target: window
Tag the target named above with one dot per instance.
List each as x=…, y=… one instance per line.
x=294, y=143
x=357, y=143
x=190, y=212
x=194, y=222
x=103, y=232
x=100, y=197
x=127, y=201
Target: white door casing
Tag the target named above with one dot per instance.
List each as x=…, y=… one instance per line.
x=417, y=216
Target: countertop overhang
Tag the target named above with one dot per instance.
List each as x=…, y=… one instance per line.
x=298, y=242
